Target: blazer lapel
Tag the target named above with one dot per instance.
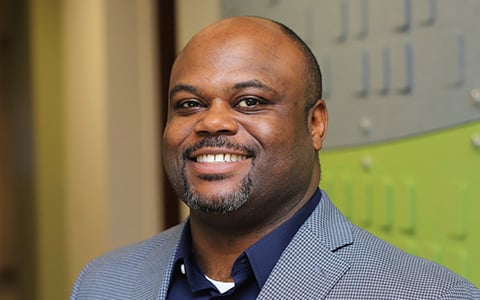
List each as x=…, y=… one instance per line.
x=154, y=278
x=309, y=268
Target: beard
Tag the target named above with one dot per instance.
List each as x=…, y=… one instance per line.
x=220, y=203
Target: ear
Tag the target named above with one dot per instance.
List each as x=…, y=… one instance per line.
x=318, y=123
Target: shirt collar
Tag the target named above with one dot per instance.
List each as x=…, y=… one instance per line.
x=262, y=255
x=185, y=263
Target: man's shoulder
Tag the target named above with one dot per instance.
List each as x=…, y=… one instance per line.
x=145, y=247
x=118, y=271
x=386, y=267
x=378, y=269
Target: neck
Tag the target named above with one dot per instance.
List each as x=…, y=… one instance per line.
x=218, y=240
x=217, y=248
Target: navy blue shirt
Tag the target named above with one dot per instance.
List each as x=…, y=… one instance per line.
x=250, y=270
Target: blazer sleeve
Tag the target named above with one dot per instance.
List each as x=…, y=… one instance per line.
x=464, y=290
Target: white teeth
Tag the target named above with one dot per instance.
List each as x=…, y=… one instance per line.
x=227, y=157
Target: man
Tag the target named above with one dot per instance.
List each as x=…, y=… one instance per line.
x=245, y=124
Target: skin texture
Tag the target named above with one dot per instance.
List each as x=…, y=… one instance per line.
x=237, y=88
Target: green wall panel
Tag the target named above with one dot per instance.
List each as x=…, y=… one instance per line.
x=420, y=193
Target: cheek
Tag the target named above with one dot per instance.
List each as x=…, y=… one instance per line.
x=172, y=161
x=278, y=141
x=175, y=133
x=174, y=136
x=288, y=148
x=284, y=133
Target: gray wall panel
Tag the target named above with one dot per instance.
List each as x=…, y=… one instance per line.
x=391, y=68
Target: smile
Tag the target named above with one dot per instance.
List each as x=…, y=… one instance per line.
x=220, y=157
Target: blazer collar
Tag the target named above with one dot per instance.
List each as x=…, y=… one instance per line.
x=330, y=226
x=309, y=267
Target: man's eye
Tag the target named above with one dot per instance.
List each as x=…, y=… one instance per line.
x=249, y=102
x=188, y=104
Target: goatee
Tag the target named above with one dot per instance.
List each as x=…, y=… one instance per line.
x=220, y=203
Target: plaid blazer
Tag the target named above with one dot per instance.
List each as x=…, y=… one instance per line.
x=328, y=258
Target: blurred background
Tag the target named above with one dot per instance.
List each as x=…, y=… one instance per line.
x=82, y=106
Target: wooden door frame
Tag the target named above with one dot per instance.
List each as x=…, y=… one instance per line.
x=167, y=52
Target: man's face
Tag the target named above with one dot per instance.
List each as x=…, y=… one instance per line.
x=236, y=136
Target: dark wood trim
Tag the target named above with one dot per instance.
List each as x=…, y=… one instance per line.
x=16, y=106
x=167, y=52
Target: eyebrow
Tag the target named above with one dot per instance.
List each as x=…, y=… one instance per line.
x=255, y=84
x=182, y=88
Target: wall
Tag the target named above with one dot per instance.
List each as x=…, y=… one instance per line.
x=95, y=133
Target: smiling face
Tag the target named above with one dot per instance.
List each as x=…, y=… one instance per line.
x=236, y=139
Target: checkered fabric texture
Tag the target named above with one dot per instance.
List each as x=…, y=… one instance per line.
x=329, y=258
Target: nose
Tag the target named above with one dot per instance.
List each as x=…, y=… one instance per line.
x=217, y=119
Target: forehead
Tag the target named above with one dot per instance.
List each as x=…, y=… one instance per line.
x=237, y=49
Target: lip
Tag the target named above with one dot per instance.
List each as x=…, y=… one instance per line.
x=235, y=161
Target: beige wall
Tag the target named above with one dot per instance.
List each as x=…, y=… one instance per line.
x=192, y=15
x=49, y=153
x=95, y=129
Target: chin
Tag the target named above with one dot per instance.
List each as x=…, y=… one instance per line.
x=223, y=204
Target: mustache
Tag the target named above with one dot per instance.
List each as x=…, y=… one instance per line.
x=217, y=142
